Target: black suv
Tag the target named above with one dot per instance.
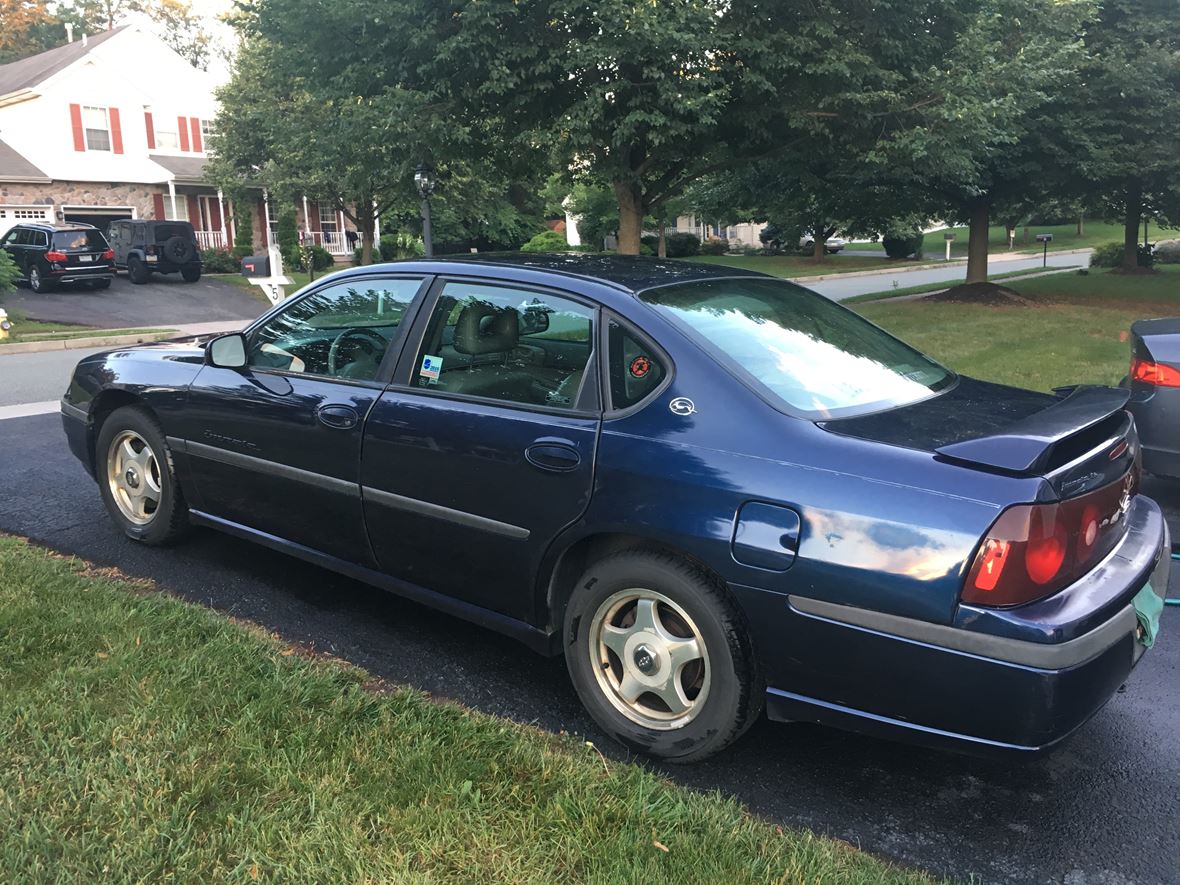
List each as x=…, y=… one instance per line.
x=161, y=246
x=49, y=254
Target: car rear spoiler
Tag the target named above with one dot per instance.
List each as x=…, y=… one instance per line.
x=1026, y=446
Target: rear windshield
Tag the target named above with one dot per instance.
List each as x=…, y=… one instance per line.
x=68, y=240
x=800, y=349
x=168, y=231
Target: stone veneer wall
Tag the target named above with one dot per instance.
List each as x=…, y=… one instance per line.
x=81, y=193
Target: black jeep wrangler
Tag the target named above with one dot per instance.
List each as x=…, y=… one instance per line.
x=161, y=246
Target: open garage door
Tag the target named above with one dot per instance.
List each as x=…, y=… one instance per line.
x=99, y=216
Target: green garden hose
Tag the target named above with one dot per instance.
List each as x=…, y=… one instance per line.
x=1173, y=601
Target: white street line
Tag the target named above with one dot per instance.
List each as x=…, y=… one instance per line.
x=27, y=409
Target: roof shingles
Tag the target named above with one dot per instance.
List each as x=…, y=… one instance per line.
x=28, y=72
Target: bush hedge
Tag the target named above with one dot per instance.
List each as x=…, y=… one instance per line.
x=398, y=246
x=902, y=242
x=220, y=261
x=714, y=246
x=1111, y=255
x=546, y=241
x=682, y=245
x=321, y=258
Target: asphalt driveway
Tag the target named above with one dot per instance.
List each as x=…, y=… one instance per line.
x=164, y=302
x=1102, y=808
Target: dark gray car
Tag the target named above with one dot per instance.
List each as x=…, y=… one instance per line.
x=1154, y=381
x=146, y=247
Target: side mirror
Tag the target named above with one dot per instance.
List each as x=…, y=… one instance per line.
x=227, y=352
x=534, y=320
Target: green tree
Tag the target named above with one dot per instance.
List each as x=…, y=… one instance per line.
x=28, y=27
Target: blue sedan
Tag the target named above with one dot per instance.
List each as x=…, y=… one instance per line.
x=714, y=492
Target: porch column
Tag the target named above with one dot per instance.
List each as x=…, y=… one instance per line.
x=342, y=240
x=172, y=196
x=307, y=220
x=376, y=227
x=266, y=215
x=229, y=205
x=224, y=225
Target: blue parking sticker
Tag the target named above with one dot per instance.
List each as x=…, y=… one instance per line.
x=431, y=367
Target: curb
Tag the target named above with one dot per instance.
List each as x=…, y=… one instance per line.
x=91, y=341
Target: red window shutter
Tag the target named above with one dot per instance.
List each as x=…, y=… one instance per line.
x=116, y=131
x=182, y=128
x=151, y=130
x=76, y=123
x=194, y=212
x=158, y=204
x=313, y=221
x=195, y=125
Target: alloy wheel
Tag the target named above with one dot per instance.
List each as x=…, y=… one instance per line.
x=133, y=475
x=649, y=658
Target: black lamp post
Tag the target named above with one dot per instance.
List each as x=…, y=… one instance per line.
x=424, y=181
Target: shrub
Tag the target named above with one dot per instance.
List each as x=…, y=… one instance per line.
x=903, y=241
x=395, y=247
x=220, y=261
x=682, y=245
x=773, y=237
x=321, y=258
x=652, y=242
x=1167, y=252
x=714, y=246
x=8, y=272
x=287, y=230
x=243, y=229
x=645, y=249
x=546, y=241
x=1111, y=255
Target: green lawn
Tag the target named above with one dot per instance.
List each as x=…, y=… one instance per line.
x=1065, y=236
x=25, y=330
x=1073, y=333
x=147, y=739
x=801, y=265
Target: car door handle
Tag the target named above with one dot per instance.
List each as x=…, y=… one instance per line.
x=553, y=455
x=337, y=417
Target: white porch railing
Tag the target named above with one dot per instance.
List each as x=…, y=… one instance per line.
x=334, y=242
x=211, y=239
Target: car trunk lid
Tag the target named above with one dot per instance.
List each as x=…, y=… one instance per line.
x=1080, y=440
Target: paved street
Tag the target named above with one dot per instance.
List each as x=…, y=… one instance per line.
x=839, y=289
x=1101, y=808
x=165, y=301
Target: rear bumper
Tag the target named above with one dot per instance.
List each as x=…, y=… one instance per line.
x=940, y=685
x=81, y=274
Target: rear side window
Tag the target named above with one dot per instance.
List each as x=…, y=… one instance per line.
x=70, y=240
x=635, y=370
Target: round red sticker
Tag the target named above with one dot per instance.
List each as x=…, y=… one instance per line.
x=640, y=366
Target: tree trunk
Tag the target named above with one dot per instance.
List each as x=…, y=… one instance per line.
x=1131, y=226
x=1081, y=225
x=977, y=243
x=365, y=222
x=817, y=248
x=631, y=211
x=662, y=246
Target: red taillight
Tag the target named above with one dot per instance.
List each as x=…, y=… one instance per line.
x=1154, y=373
x=55, y=256
x=1034, y=550
x=108, y=255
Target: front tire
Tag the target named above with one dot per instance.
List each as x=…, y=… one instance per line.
x=137, y=478
x=660, y=656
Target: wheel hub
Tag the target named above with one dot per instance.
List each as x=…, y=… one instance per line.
x=132, y=478
x=646, y=660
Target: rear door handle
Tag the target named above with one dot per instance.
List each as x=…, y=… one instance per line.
x=556, y=456
x=337, y=417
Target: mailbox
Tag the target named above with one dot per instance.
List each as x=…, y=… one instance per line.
x=948, y=236
x=256, y=266
x=1043, y=238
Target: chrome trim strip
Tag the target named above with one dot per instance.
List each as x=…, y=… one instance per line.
x=176, y=443
x=74, y=412
x=272, y=468
x=462, y=517
x=999, y=648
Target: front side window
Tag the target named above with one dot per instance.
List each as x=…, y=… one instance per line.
x=800, y=349
x=98, y=130
x=506, y=344
x=342, y=331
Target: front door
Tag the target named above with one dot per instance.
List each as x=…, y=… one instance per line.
x=276, y=446
x=485, y=451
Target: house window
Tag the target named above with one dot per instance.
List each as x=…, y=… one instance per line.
x=207, y=130
x=272, y=216
x=179, y=212
x=98, y=129
x=167, y=136
x=327, y=218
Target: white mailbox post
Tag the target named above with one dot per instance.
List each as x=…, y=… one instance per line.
x=272, y=285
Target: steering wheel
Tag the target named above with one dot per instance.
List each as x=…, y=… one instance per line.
x=370, y=341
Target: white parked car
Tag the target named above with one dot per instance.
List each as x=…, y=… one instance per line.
x=831, y=244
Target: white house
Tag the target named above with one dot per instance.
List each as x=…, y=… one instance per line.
x=116, y=126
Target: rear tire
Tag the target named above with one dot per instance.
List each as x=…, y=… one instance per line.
x=190, y=275
x=136, y=272
x=37, y=282
x=137, y=478
x=660, y=656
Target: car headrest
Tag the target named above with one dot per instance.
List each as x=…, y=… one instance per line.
x=485, y=328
